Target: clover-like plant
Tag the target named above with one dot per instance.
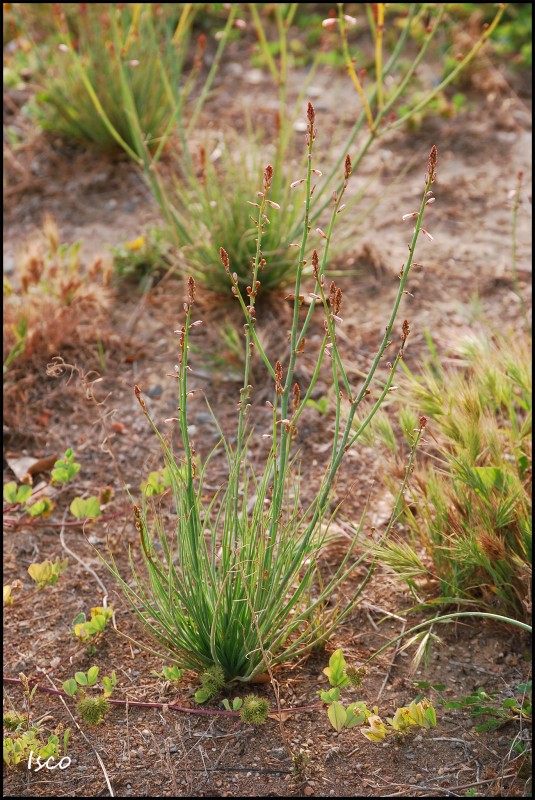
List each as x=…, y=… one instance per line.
x=92, y=709
x=419, y=714
x=88, y=630
x=47, y=572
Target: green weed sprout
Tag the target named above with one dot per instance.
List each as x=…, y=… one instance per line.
x=88, y=630
x=91, y=709
x=419, y=714
x=238, y=588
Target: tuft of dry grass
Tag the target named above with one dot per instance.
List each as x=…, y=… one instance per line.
x=53, y=304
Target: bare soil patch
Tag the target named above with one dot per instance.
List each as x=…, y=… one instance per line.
x=158, y=752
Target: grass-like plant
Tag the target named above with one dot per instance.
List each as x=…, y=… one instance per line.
x=238, y=587
x=130, y=49
x=218, y=193
x=469, y=503
x=140, y=258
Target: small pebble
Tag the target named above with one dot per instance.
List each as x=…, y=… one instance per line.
x=202, y=418
x=308, y=791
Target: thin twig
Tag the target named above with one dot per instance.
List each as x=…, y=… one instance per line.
x=391, y=664
x=84, y=565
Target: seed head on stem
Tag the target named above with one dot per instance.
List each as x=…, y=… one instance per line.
x=223, y=255
x=268, y=177
x=347, y=167
x=432, y=165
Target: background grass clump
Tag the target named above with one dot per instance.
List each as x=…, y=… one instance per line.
x=468, y=509
x=120, y=50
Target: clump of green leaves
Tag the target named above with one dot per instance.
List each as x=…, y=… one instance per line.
x=22, y=741
x=89, y=630
x=24, y=737
x=21, y=495
x=91, y=709
x=157, y=482
x=419, y=714
x=498, y=710
x=321, y=404
x=66, y=468
x=85, y=507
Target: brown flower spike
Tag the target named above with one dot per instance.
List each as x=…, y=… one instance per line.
x=432, y=165
x=223, y=255
x=278, y=377
x=268, y=177
x=296, y=396
x=191, y=291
